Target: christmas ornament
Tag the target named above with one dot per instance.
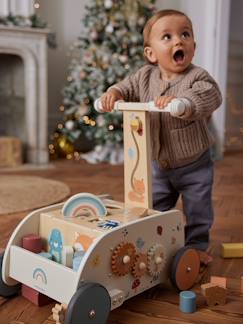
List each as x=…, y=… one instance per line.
x=63, y=146
x=108, y=4
x=69, y=124
x=109, y=29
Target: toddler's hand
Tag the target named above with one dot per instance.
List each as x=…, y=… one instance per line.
x=109, y=98
x=162, y=101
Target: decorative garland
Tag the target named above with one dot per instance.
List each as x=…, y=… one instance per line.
x=33, y=21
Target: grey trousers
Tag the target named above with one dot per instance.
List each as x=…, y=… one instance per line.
x=194, y=183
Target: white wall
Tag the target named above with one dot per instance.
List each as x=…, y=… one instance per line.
x=64, y=18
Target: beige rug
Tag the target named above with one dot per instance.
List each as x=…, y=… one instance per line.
x=22, y=193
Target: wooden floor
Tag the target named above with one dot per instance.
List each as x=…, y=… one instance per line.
x=158, y=305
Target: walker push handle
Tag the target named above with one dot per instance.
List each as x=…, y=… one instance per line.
x=176, y=107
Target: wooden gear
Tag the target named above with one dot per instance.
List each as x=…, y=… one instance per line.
x=140, y=265
x=58, y=313
x=123, y=258
x=156, y=259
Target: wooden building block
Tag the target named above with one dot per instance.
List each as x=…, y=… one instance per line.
x=67, y=256
x=137, y=158
x=219, y=281
x=187, y=301
x=76, y=262
x=135, y=213
x=32, y=242
x=232, y=250
x=35, y=296
x=10, y=151
x=215, y=295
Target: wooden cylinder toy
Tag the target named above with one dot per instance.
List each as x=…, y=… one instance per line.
x=187, y=301
x=67, y=256
x=32, y=242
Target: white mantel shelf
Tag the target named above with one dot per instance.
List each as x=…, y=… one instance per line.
x=32, y=30
x=31, y=45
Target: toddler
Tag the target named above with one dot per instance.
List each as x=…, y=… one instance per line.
x=181, y=161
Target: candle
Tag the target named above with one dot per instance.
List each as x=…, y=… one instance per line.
x=23, y=8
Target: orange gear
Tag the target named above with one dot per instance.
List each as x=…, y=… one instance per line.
x=140, y=265
x=122, y=258
x=156, y=259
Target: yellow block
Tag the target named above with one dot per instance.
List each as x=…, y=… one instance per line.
x=232, y=250
x=10, y=151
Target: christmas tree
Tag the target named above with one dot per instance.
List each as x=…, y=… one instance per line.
x=110, y=47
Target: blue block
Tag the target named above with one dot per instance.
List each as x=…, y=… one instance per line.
x=46, y=255
x=76, y=262
x=79, y=253
x=187, y=301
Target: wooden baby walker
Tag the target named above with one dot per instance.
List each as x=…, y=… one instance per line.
x=90, y=254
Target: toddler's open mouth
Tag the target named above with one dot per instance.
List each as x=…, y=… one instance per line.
x=179, y=56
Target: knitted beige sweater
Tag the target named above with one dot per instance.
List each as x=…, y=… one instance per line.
x=176, y=141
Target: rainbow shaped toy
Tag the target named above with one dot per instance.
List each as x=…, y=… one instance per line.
x=84, y=203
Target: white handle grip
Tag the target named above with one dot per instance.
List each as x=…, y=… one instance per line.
x=98, y=105
x=176, y=107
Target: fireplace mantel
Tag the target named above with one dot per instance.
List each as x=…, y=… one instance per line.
x=31, y=45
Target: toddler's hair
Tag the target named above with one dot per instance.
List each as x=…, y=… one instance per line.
x=162, y=13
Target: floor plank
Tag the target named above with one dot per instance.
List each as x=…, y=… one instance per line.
x=160, y=304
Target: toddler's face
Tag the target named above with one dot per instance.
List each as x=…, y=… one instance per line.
x=172, y=45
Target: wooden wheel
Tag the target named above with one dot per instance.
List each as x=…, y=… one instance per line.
x=185, y=268
x=90, y=304
x=6, y=290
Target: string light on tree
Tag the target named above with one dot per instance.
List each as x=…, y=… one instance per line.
x=36, y=5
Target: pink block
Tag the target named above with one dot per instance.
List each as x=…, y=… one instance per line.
x=220, y=281
x=32, y=242
x=35, y=296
